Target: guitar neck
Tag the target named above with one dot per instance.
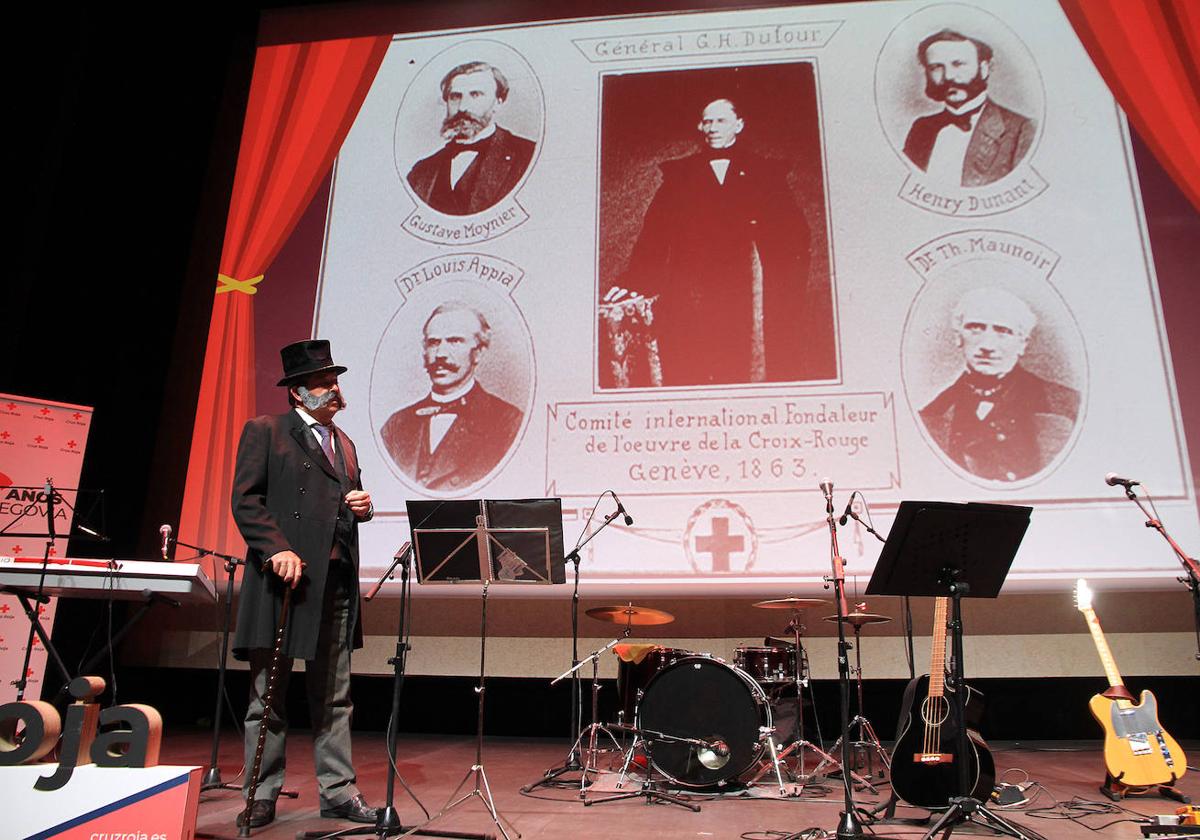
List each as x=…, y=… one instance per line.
x=1106, y=657
x=937, y=664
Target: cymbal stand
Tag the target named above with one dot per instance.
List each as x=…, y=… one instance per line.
x=798, y=746
x=868, y=742
x=589, y=764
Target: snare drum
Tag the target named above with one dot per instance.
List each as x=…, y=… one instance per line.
x=702, y=698
x=767, y=664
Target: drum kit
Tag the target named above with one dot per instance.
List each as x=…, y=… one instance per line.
x=700, y=723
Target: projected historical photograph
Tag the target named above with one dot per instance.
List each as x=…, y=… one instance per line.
x=959, y=96
x=1000, y=367
x=714, y=261
x=467, y=132
x=971, y=137
x=457, y=364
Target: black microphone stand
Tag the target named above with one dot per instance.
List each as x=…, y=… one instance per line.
x=849, y=826
x=387, y=822
x=572, y=763
x=908, y=622
x=1191, y=580
x=39, y=597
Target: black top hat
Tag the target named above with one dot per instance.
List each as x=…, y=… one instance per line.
x=302, y=358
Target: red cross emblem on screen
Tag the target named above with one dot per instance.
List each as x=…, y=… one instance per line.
x=720, y=538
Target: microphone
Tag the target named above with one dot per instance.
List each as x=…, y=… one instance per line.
x=48, y=490
x=1112, y=480
x=846, y=514
x=621, y=509
x=826, y=486
x=164, y=531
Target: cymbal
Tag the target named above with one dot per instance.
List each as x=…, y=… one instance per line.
x=791, y=603
x=858, y=619
x=629, y=614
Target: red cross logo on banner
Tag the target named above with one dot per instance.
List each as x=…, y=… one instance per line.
x=16, y=549
x=53, y=551
x=45, y=411
x=5, y=435
x=720, y=538
x=39, y=439
x=12, y=406
x=77, y=415
x=29, y=672
x=72, y=444
x=36, y=641
x=4, y=608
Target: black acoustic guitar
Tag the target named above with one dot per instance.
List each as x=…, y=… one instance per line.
x=925, y=760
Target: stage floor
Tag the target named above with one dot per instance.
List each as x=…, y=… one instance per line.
x=433, y=766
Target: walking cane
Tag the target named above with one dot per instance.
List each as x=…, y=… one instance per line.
x=268, y=701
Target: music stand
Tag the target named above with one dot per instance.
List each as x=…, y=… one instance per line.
x=960, y=551
x=516, y=542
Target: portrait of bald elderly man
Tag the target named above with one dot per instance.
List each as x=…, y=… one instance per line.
x=724, y=247
x=482, y=161
x=459, y=432
x=973, y=140
x=998, y=420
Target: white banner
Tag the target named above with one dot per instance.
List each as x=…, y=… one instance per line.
x=39, y=440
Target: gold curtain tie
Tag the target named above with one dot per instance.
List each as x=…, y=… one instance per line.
x=225, y=283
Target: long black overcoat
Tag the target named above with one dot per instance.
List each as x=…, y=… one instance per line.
x=286, y=495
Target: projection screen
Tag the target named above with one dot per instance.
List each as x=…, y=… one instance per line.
x=859, y=288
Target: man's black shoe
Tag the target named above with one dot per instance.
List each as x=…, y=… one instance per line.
x=354, y=809
x=262, y=812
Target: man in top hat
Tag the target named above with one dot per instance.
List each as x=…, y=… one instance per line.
x=482, y=162
x=297, y=500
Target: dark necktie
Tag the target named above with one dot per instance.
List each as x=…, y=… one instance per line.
x=326, y=435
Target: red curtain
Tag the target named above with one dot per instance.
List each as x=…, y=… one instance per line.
x=303, y=100
x=1146, y=51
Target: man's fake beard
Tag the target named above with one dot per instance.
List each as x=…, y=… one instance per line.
x=314, y=403
x=462, y=126
x=939, y=92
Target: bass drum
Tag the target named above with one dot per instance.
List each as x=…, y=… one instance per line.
x=699, y=697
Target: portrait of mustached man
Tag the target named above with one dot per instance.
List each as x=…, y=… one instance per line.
x=460, y=431
x=973, y=140
x=482, y=161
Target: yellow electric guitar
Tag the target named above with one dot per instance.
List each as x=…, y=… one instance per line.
x=1138, y=752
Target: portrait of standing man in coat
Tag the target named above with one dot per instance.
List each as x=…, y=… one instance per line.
x=725, y=249
x=297, y=501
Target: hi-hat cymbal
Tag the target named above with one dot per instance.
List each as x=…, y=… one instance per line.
x=858, y=619
x=791, y=603
x=629, y=614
